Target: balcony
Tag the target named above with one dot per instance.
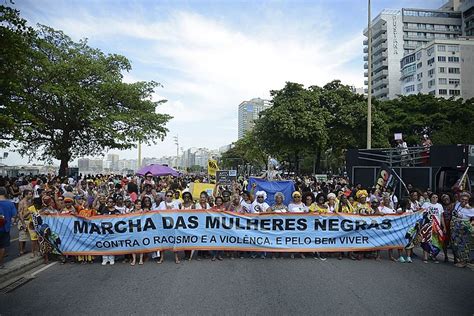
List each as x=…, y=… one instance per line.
x=420, y=29
x=378, y=66
x=366, y=42
x=379, y=48
x=383, y=82
x=380, y=74
x=379, y=39
x=381, y=92
x=366, y=82
x=366, y=58
x=378, y=57
x=366, y=66
x=366, y=74
x=366, y=50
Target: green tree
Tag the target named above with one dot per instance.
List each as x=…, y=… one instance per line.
x=447, y=121
x=347, y=123
x=247, y=150
x=68, y=100
x=15, y=38
x=294, y=125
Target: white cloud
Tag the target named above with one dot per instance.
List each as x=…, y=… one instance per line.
x=209, y=66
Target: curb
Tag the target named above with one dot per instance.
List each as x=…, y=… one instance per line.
x=19, y=266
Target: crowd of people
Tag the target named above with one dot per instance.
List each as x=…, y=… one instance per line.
x=447, y=222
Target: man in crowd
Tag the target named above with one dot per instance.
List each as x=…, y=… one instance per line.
x=7, y=212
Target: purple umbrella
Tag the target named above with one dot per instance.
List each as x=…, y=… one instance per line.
x=157, y=171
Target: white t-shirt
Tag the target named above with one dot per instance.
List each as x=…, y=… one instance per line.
x=387, y=210
x=434, y=209
x=258, y=207
x=464, y=213
x=199, y=207
x=173, y=205
x=297, y=208
x=246, y=206
x=36, y=192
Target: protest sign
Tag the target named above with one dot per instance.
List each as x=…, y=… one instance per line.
x=226, y=176
x=212, y=167
x=211, y=230
x=196, y=188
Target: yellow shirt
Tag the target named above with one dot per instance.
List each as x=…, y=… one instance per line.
x=362, y=209
x=320, y=209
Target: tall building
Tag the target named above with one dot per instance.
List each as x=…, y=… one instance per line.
x=467, y=12
x=248, y=113
x=396, y=33
x=83, y=164
x=113, y=161
x=444, y=68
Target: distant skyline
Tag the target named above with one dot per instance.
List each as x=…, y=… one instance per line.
x=212, y=55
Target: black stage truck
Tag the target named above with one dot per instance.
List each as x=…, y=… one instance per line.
x=437, y=168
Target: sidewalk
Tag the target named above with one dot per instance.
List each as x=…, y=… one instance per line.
x=19, y=266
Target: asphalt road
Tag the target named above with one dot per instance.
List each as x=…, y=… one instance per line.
x=246, y=286
x=13, y=250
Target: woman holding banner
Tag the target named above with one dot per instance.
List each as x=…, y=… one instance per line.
x=278, y=207
x=461, y=230
x=432, y=238
x=202, y=205
x=448, y=207
x=169, y=204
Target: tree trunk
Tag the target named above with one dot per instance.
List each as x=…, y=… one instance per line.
x=297, y=164
x=318, y=160
x=63, y=166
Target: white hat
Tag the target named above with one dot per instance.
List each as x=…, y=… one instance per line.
x=261, y=193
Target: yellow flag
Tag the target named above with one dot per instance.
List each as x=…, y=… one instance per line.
x=212, y=167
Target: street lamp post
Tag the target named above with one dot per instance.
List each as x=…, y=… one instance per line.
x=369, y=81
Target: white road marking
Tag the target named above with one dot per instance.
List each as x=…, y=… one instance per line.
x=43, y=268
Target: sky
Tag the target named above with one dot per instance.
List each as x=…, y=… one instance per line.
x=212, y=55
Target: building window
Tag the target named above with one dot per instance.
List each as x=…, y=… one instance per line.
x=432, y=92
x=441, y=58
x=442, y=70
x=430, y=61
x=454, y=92
x=442, y=80
x=418, y=55
x=454, y=81
x=443, y=91
x=431, y=83
x=419, y=87
x=454, y=70
x=409, y=79
x=453, y=48
x=410, y=88
x=431, y=72
x=419, y=76
x=430, y=51
x=441, y=48
x=453, y=59
x=418, y=66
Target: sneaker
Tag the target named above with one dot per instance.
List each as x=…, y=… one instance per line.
x=401, y=259
x=112, y=262
x=104, y=263
x=408, y=260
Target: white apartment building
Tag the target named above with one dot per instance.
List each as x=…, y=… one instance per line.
x=387, y=41
x=248, y=113
x=396, y=33
x=444, y=68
